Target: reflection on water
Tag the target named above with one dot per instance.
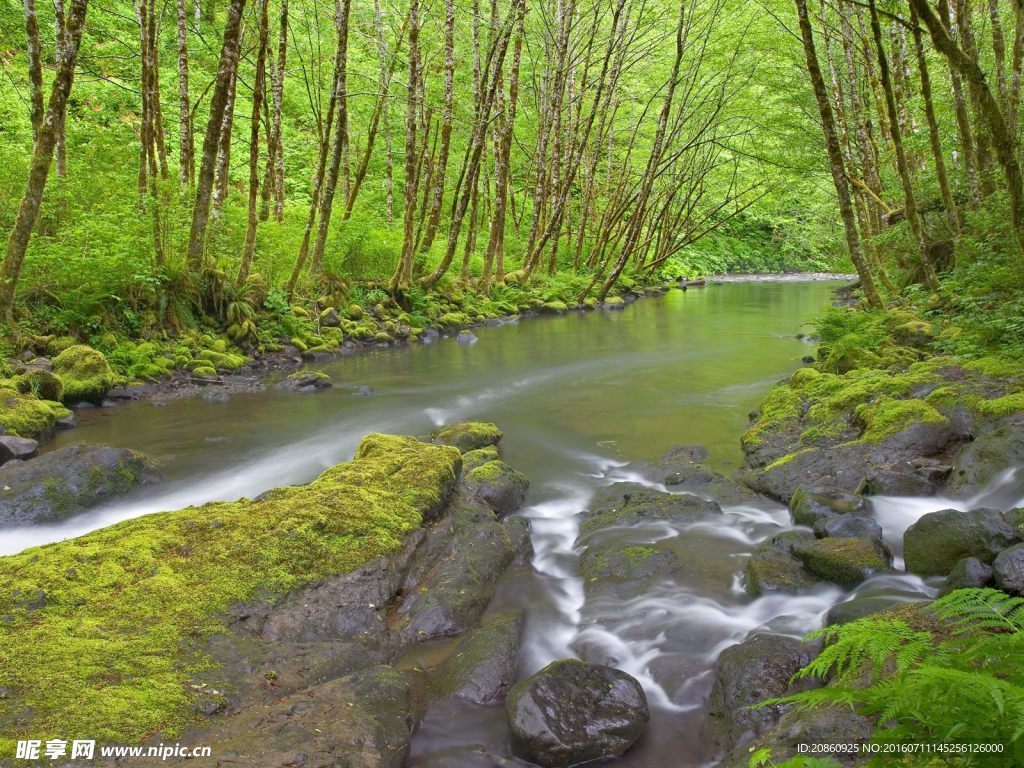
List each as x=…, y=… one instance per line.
x=578, y=397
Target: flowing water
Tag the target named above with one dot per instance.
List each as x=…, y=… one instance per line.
x=579, y=397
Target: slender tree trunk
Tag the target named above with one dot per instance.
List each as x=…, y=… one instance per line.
x=910, y=200
x=186, y=147
x=258, y=90
x=403, y=272
x=982, y=139
x=222, y=187
x=440, y=171
x=969, y=157
x=835, y=157
x=385, y=102
x=340, y=142
x=229, y=54
x=42, y=158
x=35, y=68
x=156, y=115
x=273, y=181
x=60, y=30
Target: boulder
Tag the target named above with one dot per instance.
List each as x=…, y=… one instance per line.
x=42, y=383
x=329, y=318
x=991, y=453
x=306, y=381
x=572, y=712
x=483, y=666
x=629, y=504
x=500, y=486
x=1008, y=568
x=968, y=573
x=20, y=448
x=467, y=436
x=896, y=482
x=479, y=457
x=848, y=526
x=680, y=467
x=85, y=374
x=938, y=540
x=68, y=481
x=811, y=504
x=771, y=571
x=846, y=562
x=746, y=674
x=466, y=338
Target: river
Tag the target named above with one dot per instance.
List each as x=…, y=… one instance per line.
x=579, y=397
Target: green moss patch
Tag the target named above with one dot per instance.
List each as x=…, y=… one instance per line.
x=85, y=373
x=96, y=630
x=887, y=417
x=467, y=436
x=25, y=416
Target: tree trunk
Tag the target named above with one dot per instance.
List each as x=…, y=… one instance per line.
x=403, y=271
x=61, y=32
x=220, y=190
x=258, y=90
x=42, y=157
x=273, y=184
x=186, y=148
x=963, y=121
x=35, y=68
x=835, y=157
x=229, y=54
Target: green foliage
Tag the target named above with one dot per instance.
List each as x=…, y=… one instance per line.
x=952, y=673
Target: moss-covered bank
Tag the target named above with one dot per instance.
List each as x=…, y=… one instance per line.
x=96, y=632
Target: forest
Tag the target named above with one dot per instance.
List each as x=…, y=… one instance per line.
x=738, y=285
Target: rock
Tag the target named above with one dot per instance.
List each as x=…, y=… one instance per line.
x=479, y=457
x=969, y=572
x=933, y=545
x=772, y=571
x=355, y=312
x=429, y=336
x=41, y=383
x=614, y=303
x=554, y=308
x=503, y=488
x=846, y=562
x=466, y=338
x=572, y=712
x=609, y=565
x=990, y=454
x=483, y=666
x=364, y=391
x=859, y=608
x=757, y=669
x=306, y=381
x=627, y=504
x=85, y=374
x=680, y=467
x=849, y=526
x=1008, y=568
x=68, y=481
x=467, y=436
x=888, y=482
x=214, y=395
x=809, y=505
x=20, y=448
x=65, y=422
x=329, y=318
x=27, y=416
x=681, y=455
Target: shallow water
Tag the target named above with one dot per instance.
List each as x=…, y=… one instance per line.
x=579, y=397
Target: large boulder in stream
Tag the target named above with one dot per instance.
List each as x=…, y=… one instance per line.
x=495, y=482
x=991, y=453
x=811, y=504
x=937, y=541
x=68, y=481
x=846, y=562
x=772, y=567
x=1008, y=568
x=746, y=674
x=572, y=712
x=483, y=666
x=467, y=436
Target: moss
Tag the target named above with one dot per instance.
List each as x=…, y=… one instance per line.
x=479, y=457
x=787, y=458
x=85, y=373
x=222, y=361
x=886, y=417
x=467, y=436
x=843, y=561
x=382, y=337
x=614, y=301
x=555, y=307
x=1001, y=406
x=997, y=366
x=355, y=312
x=944, y=397
x=308, y=376
x=804, y=376
x=781, y=408
x=300, y=311
x=204, y=370
x=25, y=416
x=453, y=319
x=121, y=605
x=41, y=384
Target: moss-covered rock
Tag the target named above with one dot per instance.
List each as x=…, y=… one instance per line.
x=934, y=544
x=26, y=416
x=467, y=436
x=502, y=487
x=554, y=308
x=222, y=361
x=85, y=374
x=306, y=381
x=479, y=457
x=42, y=384
x=483, y=666
x=846, y=562
x=101, y=624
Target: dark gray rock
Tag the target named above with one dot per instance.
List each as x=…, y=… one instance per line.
x=681, y=468
x=757, y=669
x=896, y=482
x=846, y=562
x=849, y=526
x=306, y=381
x=934, y=544
x=17, y=448
x=1008, y=569
x=483, y=667
x=329, y=318
x=572, y=712
x=214, y=395
x=466, y=338
x=68, y=481
x=969, y=572
x=501, y=487
x=772, y=571
x=991, y=453
x=809, y=505
x=859, y=608
x=628, y=504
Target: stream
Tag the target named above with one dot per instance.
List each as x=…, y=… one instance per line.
x=578, y=397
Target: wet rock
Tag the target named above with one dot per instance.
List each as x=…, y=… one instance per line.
x=572, y=712
x=67, y=422
x=364, y=391
x=769, y=570
x=809, y=505
x=363, y=720
x=214, y=395
x=429, y=336
x=19, y=448
x=1008, y=568
x=483, y=666
x=680, y=455
x=846, y=562
x=681, y=468
x=757, y=669
x=969, y=572
x=473, y=756
x=479, y=457
x=502, y=487
x=990, y=454
x=467, y=436
x=68, y=481
x=934, y=544
x=889, y=482
x=306, y=381
x=329, y=318
x=607, y=565
x=859, y=608
x=849, y=526
x=466, y=338
x=628, y=504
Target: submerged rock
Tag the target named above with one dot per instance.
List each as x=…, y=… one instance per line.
x=628, y=504
x=746, y=674
x=68, y=481
x=572, y=712
x=306, y=381
x=934, y=544
x=466, y=338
